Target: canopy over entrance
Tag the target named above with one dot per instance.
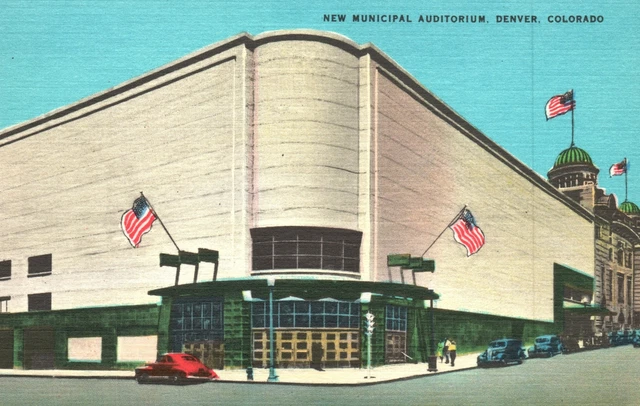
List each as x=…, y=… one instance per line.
x=307, y=289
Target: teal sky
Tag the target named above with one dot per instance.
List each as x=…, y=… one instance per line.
x=498, y=76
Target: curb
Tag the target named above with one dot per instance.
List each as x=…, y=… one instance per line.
x=404, y=378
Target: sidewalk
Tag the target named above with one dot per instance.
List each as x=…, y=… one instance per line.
x=308, y=376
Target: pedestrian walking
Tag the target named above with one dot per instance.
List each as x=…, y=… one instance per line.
x=440, y=350
x=452, y=352
x=445, y=350
x=317, y=353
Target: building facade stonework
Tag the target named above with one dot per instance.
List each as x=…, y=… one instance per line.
x=616, y=242
x=299, y=156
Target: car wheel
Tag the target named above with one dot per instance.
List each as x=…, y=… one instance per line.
x=177, y=377
x=142, y=378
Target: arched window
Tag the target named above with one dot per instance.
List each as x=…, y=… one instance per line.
x=620, y=257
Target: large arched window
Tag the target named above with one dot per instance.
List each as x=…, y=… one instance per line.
x=322, y=248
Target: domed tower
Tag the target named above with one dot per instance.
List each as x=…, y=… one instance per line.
x=575, y=175
x=573, y=167
x=629, y=208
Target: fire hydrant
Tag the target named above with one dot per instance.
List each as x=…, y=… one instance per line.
x=250, y=373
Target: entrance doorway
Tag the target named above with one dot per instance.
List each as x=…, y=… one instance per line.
x=6, y=349
x=39, y=348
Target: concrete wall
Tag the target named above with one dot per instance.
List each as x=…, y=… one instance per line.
x=426, y=170
x=306, y=135
x=278, y=133
x=179, y=134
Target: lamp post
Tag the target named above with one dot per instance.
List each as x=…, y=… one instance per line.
x=432, y=360
x=272, y=369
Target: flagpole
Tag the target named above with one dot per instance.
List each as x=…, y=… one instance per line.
x=572, y=122
x=626, y=173
x=161, y=223
x=445, y=229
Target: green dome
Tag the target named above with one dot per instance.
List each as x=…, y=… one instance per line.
x=629, y=208
x=572, y=155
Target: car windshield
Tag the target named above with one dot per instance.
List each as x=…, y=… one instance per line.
x=190, y=358
x=498, y=344
x=542, y=340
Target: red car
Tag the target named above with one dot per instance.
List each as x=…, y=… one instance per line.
x=175, y=367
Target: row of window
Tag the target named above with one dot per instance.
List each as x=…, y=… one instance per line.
x=396, y=318
x=306, y=248
x=39, y=265
x=195, y=316
x=36, y=302
x=303, y=314
x=608, y=286
x=198, y=316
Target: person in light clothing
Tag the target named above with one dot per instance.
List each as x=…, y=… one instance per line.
x=440, y=350
x=452, y=352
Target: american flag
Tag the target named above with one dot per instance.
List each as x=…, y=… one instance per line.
x=560, y=104
x=467, y=232
x=137, y=221
x=619, y=168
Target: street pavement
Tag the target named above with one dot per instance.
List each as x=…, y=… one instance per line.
x=307, y=376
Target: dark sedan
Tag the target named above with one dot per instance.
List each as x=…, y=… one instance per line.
x=502, y=352
x=547, y=345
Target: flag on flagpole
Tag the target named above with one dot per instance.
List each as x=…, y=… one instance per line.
x=618, y=169
x=559, y=105
x=466, y=232
x=137, y=221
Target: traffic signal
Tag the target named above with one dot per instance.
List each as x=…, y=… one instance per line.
x=369, y=323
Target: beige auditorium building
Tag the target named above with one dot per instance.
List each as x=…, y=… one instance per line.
x=299, y=157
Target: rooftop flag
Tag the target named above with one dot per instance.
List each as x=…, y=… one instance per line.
x=137, y=221
x=559, y=105
x=466, y=232
x=619, y=169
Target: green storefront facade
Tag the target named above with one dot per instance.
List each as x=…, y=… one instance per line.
x=221, y=322
x=39, y=340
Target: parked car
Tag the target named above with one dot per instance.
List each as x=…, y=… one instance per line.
x=636, y=339
x=502, y=352
x=547, y=345
x=619, y=338
x=175, y=368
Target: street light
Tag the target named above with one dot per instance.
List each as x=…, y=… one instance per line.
x=272, y=369
x=432, y=359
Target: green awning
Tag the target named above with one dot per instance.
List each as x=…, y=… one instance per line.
x=589, y=310
x=574, y=278
x=307, y=289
